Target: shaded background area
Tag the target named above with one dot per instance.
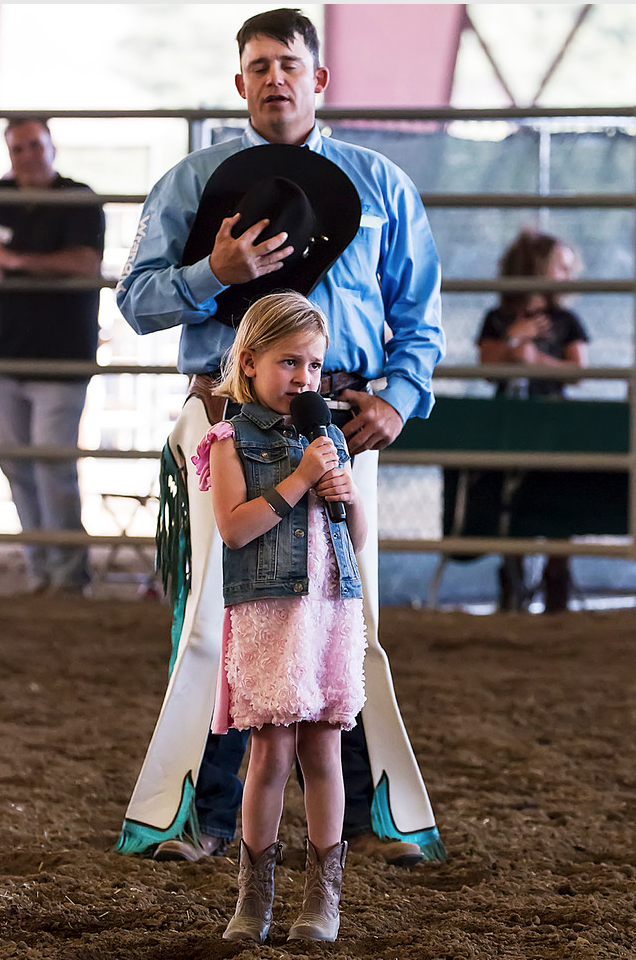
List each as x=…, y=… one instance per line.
x=487, y=56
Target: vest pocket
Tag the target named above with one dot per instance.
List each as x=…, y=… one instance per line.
x=265, y=466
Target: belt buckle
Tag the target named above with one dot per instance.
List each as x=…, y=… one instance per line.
x=339, y=380
x=327, y=385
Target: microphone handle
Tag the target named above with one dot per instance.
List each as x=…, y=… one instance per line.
x=335, y=508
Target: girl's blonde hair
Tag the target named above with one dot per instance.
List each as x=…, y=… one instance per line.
x=270, y=319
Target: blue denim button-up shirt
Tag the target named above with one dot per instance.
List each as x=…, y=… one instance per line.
x=389, y=274
x=275, y=564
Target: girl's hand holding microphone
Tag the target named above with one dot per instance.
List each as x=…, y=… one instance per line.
x=330, y=480
x=333, y=482
x=336, y=484
x=319, y=458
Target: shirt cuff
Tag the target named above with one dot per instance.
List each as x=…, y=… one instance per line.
x=406, y=398
x=201, y=282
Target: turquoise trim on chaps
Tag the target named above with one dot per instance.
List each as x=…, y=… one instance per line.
x=174, y=554
x=384, y=825
x=136, y=837
x=174, y=548
x=178, y=613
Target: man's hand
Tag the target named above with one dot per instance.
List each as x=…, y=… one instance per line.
x=375, y=425
x=240, y=259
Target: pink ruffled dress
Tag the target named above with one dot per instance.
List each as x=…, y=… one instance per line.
x=291, y=658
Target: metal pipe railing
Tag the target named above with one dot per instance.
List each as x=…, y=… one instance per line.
x=551, y=117
x=85, y=198
x=607, y=114
x=517, y=546
x=500, y=371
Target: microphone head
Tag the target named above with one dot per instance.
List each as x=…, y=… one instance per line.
x=308, y=411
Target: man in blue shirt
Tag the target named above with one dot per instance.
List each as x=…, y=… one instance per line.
x=382, y=298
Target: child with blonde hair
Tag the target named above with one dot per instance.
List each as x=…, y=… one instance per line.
x=294, y=636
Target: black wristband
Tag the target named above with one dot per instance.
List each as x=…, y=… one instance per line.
x=278, y=504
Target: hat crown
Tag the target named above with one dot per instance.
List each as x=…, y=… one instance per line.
x=288, y=209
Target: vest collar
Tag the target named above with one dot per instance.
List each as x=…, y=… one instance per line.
x=263, y=417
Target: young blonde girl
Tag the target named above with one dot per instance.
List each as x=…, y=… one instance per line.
x=294, y=642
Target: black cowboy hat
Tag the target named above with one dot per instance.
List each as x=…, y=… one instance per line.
x=300, y=192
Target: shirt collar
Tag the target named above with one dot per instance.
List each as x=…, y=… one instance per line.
x=253, y=139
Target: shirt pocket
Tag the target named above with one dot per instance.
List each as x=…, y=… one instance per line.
x=357, y=266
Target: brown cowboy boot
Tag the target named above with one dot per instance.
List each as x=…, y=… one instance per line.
x=253, y=914
x=319, y=918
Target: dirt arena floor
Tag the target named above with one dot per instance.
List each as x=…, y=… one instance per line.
x=524, y=729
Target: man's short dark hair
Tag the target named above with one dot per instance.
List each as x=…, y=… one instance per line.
x=20, y=122
x=282, y=25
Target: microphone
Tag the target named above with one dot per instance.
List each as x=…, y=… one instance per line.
x=311, y=416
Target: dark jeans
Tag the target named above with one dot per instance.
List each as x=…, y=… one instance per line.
x=220, y=789
x=358, y=782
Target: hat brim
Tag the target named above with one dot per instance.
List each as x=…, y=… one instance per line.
x=332, y=195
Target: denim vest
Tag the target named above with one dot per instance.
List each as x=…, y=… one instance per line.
x=275, y=564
